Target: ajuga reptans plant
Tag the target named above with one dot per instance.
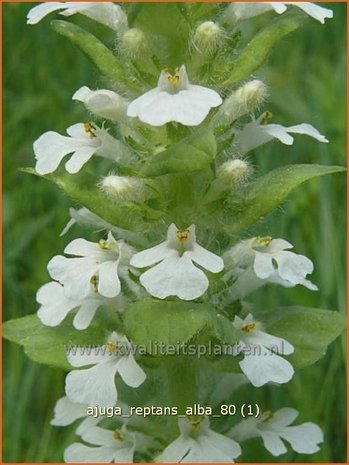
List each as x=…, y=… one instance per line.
x=155, y=312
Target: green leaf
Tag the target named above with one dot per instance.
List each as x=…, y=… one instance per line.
x=309, y=330
x=48, y=345
x=263, y=195
x=190, y=154
x=82, y=188
x=256, y=52
x=100, y=55
x=150, y=323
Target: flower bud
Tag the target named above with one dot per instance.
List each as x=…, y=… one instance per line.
x=134, y=44
x=244, y=100
x=207, y=37
x=233, y=172
x=124, y=188
x=229, y=175
x=104, y=103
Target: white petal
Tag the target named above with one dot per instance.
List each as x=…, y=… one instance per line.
x=304, y=438
x=189, y=107
x=144, y=100
x=131, y=373
x=153, y=255
x=278, y=7
x=175, y=276
x=293, y=267
x=74, y=273
x=83, y=248
x=108, y=280
x=89, y=355
x=107, y=13
x=79, y=453
x=99, y=437
x=94, y=386
x=87, y=311
x=87, y=423
x=284, y=417
x=176, y=451
x=245, y=10
x=54, y=305
x=263, y=265
x=104, y=103
x=316, y=11
x=205, y=258
x=79, y=158
x=227, y=445
x=277, y=344
x=276, y=245
x=66, y=412
x=77, y=131
x=277, y=131
x=40, y=11
x=50, y=148
x=204, y=450
x=264, y=366
x=66, y=228
x=308, y=130
x=273, y=443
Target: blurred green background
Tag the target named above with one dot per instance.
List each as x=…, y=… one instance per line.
x=306, y=75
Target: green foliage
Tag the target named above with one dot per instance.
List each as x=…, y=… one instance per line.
x=82, y=188
x=258, y=49
x=267, y=192
x=100, y=55
x=156, y=322
x=193, y=153
x=309, y=330
x=48, y=345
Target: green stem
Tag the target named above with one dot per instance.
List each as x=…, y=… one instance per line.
x=182, y=378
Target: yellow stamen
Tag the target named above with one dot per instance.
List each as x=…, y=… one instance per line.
x=89, y=130
x=103, y=244
x=111, y=346
x=117, y=436
x=248, y=328
x=173, y=79
x=196, y=422
x=264, y=241
x=183, y=235
x=267, y=116
x=94, y=282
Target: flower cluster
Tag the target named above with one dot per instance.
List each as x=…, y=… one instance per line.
x=175, y=145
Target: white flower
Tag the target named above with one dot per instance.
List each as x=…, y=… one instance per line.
x=96, y=385
x=174, y=99
x=244, y=10
x=98, y=264
x=273, y=427
x=67, y=412
x=261, y=364
x=176, y=274
x=258, y=132
x=55, y=306
x=85, y=217
x=198, y=443
x=112, y=446
x=107, y=13
x=84, y=141
x=104, y=103
x=260, y=260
